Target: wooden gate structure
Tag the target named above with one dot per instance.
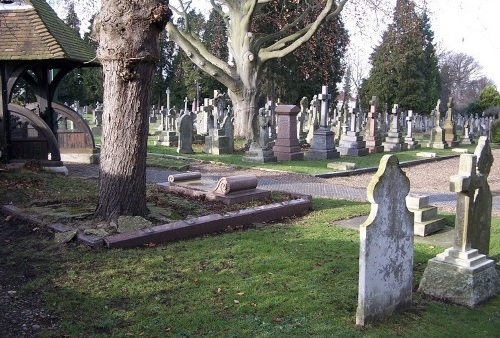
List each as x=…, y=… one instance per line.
x=38, y=47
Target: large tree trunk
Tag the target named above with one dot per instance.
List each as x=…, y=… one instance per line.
x=128, y=48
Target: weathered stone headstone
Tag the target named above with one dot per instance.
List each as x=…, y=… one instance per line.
x=450, y=134
x=185, y=144
x=351, y=143
x=169, y=136
x=286, y=147
x=481, y=215
x=260, y=150
x=461, y=274
x=386, y=250
x=409, y=139
x=323, y=143
x=394, y=140
x=313, y=121
x=302, y=118
x=467, y=135
x=437, y=140
x=373, y=139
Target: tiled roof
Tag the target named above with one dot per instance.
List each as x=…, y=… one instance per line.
x=36, y=33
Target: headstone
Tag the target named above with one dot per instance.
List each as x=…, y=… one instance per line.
x=98, y=114
x=259, y=150
x=461, y=274
x=467, y=136
x=386, y=250
x=286, y=147
x=425, y=220
x=394, y=140
x=437, y=140
x=185, y=144
x=323, y=143
x=450, y=134
x=302, y=118
x=169, y=137
x=409, y=139
x=313, y=122
x=373, y=139
x=481, y=215
x=351, y=143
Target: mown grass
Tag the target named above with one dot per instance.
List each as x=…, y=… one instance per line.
x=296, y=278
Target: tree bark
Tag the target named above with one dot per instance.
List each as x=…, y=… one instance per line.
x=127, y=32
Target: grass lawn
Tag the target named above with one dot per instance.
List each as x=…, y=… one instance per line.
x=297, y=278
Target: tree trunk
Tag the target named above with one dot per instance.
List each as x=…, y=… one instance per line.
x=128, y=48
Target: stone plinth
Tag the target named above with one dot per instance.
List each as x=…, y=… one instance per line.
x=424, y=215
x=374, y=144
x=322, y=145
x=256, y=154
x=167, y=138
x=341, y=166
x=411, y=143
x=352, y=144
x=217, y=142
x=437, y=139
x=462, y=277
x=286, y=146
x=394, y=142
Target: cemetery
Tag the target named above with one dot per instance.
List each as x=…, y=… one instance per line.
x=323, y=219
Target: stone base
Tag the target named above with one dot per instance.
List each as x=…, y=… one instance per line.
x=389, y=146
x=465, y=278
x=412, y=144
x=167, y=138
x=428, y=227
x=466, y=140
x=343, y=166
x=217, y=143
x=437, y=145
x=322, y=146
x=345, y=151
x=257, y=154
x=452, y=144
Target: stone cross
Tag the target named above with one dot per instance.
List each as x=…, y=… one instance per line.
x=465, y=185
x=324, y=97
x=372, y=116
x=186, y=104
x=409, y=124
x=438, y=114
x=395, y=119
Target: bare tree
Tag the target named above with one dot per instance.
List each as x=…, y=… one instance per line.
x=249, y=51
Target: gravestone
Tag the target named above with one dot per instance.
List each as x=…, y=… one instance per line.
x=313, y=122
x=168, y=137
x=409, y=139
x=450, y=134
x=461, y=274
x=437, y=140
x=481, y=216
x=185, y=144
x=98, y=114
x=386, y=249
x=467, y=135
x=373, y=139
x=323, y=143
x=394, y=140
x=302, y=118
x=351, y=143
x=286, y=146
x=260, y=150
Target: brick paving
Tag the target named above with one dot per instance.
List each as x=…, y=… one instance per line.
x=319, y=188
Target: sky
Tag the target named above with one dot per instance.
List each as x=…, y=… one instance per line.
x=466, y=26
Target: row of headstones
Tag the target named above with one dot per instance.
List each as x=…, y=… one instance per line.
x=462, y=274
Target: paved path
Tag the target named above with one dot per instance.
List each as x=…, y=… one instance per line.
x=447, y=200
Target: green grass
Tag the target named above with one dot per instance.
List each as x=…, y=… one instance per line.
x=305, y=167
x=291, y=279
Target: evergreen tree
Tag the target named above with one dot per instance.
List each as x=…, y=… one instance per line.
x=316, y=63
x=489, y=97
x=404, y=65
x=215, y=38
x=92, y=80
x=70, y=87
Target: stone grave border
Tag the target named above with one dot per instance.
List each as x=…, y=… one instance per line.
x=183, y=229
